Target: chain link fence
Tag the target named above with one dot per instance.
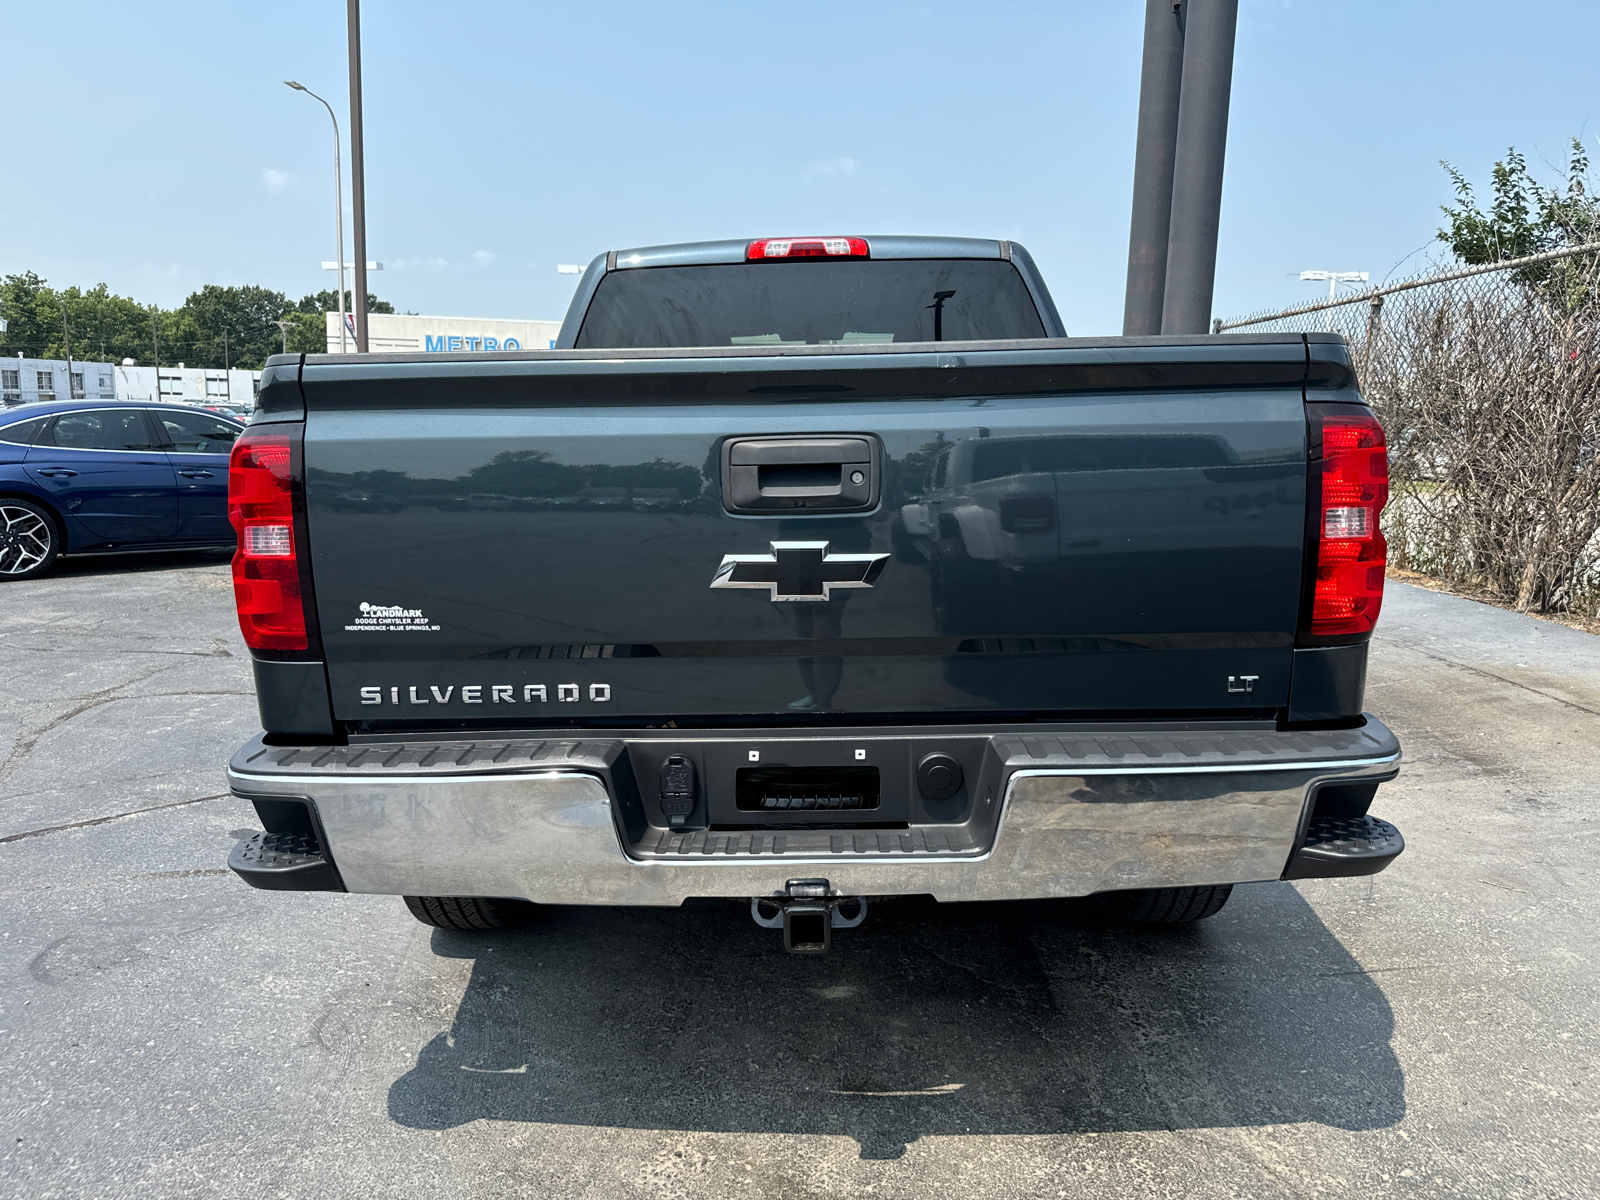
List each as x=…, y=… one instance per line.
x=1487, y=380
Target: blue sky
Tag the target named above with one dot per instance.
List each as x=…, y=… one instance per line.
x=154, y=146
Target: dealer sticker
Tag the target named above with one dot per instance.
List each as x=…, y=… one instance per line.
x=380, y=618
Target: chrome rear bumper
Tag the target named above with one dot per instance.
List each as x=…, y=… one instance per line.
x=1074, y=810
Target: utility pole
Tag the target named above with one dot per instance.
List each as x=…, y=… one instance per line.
x=283, y=328
x=358, y=186
x=66, y=341
x=1160, y=78
x=1197, y=164
x=155, y=344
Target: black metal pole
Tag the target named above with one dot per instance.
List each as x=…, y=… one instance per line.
x=1197, y=164
x=66, y=339
x=358, y=187
x=1160, y=79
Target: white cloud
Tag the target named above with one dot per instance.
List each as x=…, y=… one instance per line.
x=829, y=168
x=417, y=264
x=482, y=257
x=276, y=181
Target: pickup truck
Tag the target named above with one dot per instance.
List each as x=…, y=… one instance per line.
x=805, y=571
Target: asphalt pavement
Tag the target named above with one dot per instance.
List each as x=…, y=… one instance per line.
x=167, y=1031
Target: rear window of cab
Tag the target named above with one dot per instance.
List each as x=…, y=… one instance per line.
x=810, y=302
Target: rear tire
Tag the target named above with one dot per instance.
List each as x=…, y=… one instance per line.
x=468, y=913
x=29, y=540
x=1166, y=906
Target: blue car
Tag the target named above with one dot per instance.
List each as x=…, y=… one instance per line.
x=87, y=477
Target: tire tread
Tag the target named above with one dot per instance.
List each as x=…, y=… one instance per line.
x=1167, y=906
x=469, y=913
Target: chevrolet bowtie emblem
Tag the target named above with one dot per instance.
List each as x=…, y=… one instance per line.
x=799, y=571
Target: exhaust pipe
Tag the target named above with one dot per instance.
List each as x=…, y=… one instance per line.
x=808, y=913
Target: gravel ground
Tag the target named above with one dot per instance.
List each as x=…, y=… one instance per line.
x=167, y=1031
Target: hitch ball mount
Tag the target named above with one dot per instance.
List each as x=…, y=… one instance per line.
x=808, y=913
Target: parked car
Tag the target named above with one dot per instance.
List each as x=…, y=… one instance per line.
x=91, y=477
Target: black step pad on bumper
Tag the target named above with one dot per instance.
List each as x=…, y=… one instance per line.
x=1336, y=847
x=285, y=862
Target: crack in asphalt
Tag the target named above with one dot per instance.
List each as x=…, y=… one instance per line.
x=1376, y=970
x=136, y=812
x=25, y=744
x=1453, y=662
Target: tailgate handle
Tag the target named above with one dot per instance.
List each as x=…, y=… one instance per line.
x=830, y=474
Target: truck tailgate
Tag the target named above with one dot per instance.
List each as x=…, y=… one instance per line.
x=531, y=541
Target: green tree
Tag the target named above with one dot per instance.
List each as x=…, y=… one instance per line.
x=215, y=327
x=106, y=326
x=327, y=300
x=32, y=312
x=229, y=326
x=101, y=325
x=307, y=333
x=1526, y=218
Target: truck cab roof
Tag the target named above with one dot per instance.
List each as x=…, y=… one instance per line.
x=880, y=247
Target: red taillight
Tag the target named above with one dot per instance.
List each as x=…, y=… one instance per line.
x=266, y=568
x=1351, y=552
x=807, y=247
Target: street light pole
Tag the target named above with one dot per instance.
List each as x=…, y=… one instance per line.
x=338, y=203
x=358, y=179
x=1334, y=278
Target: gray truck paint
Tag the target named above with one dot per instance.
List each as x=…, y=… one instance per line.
x=546, y=508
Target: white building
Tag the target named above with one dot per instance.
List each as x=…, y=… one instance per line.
x=403, y=332
x=25, y=380
x=29, y=380
x=200, y=386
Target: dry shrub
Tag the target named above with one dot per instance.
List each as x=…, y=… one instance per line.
x=1489, y=388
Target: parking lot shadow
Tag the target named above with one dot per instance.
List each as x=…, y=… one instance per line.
x=991, y=1019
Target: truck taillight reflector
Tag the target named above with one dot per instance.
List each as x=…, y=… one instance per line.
x=266, y=568
x=1351, y=551
x=807, y=247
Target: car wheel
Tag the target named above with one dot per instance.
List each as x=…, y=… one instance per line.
x=1166, y=906
x=29, y=541
x=470, y=912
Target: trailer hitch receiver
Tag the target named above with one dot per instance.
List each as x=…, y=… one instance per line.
x=808, y=912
